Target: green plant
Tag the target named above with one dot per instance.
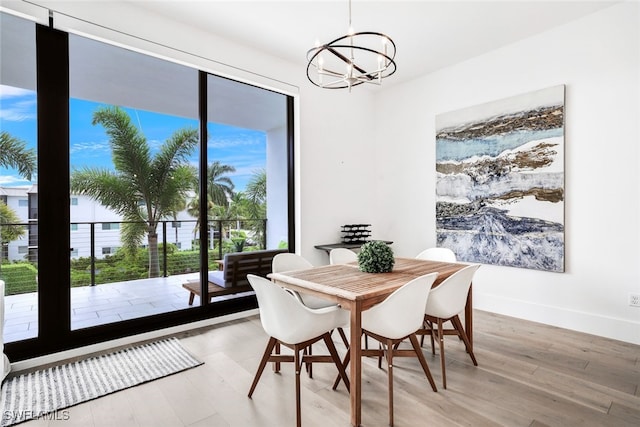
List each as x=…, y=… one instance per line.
x=145, y=185
x=19, y=278
x=238, y=238
x=376, y=257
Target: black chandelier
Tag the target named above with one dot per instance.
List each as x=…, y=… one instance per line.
x=351, y=60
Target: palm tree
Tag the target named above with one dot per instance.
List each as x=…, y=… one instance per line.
x=255, y=204
x=256, y=192
x=14, y=153
x=9, y=225
x=219, y=187
x=177, y=208
x=143, y=189
x=193, y=209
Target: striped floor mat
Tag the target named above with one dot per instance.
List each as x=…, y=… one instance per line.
x=43, y=393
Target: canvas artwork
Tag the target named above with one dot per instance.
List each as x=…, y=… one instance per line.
x=500, y=181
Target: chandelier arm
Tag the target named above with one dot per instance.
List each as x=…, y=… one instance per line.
x=361, y=33
x=344, y=46
x=345, y=59
x=331, y=73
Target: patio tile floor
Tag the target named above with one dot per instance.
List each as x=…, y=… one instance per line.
x=101, y=304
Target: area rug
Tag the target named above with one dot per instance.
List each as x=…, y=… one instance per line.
x=45, y=393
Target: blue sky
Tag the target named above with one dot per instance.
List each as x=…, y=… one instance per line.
x=243, y=149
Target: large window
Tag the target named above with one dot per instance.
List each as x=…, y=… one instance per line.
x=134, y=145
x=247, y=144
x=18, y=150
x=126, y=153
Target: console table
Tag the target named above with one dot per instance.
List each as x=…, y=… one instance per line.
x=355, y=245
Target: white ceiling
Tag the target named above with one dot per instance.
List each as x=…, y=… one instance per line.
x=429, y=35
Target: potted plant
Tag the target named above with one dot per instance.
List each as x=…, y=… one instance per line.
x=376, y=257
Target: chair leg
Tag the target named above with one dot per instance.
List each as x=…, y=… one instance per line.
x=433, y=347
x=339, y=364
x=389, y=354
x=462, y=334
x=298, y=366
x=276, y=365
x=442, y=362
x=423, y=361
x=310, y=365
x=395, y=347
x=265, y=358
x=345, y=363
x=344, y=338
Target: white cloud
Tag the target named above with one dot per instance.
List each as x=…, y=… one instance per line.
x=87, y=148
x=236, y=140
x=17, y=104
x=16, y=115
x=12, y=92
x=13, y=180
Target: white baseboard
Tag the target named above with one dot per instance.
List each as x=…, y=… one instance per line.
x=590, y=323
x=81, y=351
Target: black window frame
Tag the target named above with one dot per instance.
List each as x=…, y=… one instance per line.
x=54, y=299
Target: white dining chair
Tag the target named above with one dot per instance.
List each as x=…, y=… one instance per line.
x=342, y=256
x=296, y=326
x=291, y=262
x=437, y=254
x=446, y=301
x=394, y=320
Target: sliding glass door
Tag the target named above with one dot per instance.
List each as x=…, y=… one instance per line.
x=247, y=149
x=148, y=173
x=134, y=169
x=18, y=177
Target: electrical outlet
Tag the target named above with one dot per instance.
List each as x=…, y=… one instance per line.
x=634, y=300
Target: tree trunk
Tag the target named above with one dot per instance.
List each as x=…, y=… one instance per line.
x=154, y=261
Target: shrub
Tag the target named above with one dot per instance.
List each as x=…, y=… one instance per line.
x=19, y=278
x=376, y=257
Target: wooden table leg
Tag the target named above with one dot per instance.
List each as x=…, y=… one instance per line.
x=468, y=317
x=355, y=347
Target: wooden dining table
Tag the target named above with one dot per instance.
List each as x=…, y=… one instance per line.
x=357, y=291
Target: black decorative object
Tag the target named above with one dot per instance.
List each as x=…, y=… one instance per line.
x=356, y=233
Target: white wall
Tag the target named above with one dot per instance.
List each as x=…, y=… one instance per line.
x=277, y=208
x=597, y=58
x=337, y=167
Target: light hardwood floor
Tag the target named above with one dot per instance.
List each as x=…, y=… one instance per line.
x=528, y=375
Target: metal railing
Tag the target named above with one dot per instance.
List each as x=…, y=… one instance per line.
x=94, y=243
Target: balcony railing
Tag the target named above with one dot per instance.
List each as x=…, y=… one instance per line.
x=96, y=255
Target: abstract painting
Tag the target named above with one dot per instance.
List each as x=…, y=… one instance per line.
x=500, y=181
